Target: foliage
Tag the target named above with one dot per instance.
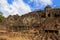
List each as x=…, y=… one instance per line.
x=1, y=17
x=1, y=13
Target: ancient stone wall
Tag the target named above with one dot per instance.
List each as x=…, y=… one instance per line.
x=37, y=25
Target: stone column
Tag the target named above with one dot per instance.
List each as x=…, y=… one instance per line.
x=58, y=27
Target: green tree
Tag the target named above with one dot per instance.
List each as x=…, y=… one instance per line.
x=1, y=17
x=1, y=13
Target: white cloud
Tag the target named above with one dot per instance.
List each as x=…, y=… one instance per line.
x=46, y=2
x=18, y=7
x=42, y=2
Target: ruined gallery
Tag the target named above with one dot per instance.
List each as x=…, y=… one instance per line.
x=37, y=25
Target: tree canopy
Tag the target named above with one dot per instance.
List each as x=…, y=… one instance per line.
x=1, y=17
x=1, y=13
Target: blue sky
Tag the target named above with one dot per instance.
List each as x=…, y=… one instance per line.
x=10, y=1
x=12, y=7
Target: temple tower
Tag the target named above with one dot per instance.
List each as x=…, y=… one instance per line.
x=47, y=10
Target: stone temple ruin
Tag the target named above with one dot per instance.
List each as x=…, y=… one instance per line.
x=37, y=25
